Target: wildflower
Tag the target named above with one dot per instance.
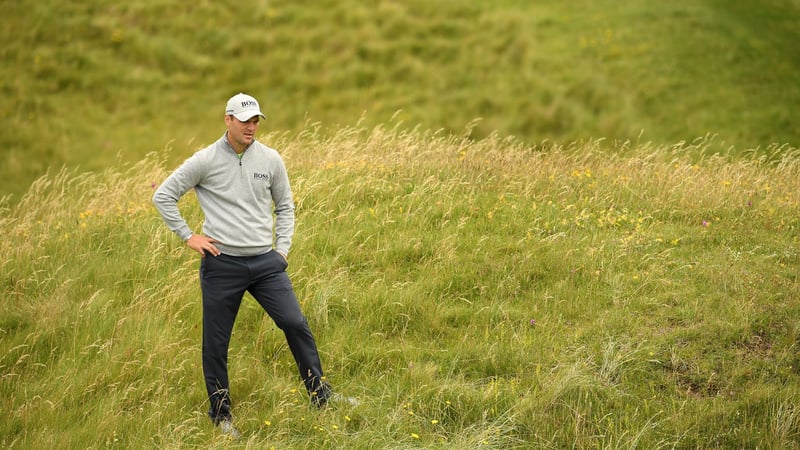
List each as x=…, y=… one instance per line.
x=415, y=435
x=434, y=421
x=116, y=36
x=267, y=423
x=533, y=322
x=706, y=223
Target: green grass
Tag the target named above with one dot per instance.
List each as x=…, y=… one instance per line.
x=84, y=82
x=594, y=246
x=470, y=293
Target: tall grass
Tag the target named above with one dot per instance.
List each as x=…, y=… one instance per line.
x=469, y=293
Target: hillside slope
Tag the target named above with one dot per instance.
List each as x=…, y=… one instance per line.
x=85, y=81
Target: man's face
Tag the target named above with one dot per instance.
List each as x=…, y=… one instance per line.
x=241, y=134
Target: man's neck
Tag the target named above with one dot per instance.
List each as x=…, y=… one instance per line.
x=236, y=148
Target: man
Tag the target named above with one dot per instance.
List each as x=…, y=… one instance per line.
x=239, y=184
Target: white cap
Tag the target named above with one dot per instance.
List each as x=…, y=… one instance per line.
x=243, y=107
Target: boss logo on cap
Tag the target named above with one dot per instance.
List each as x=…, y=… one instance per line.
x=247, y=103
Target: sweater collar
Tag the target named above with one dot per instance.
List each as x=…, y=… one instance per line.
x=230, y=147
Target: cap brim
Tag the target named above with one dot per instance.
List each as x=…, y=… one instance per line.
x=247, y=115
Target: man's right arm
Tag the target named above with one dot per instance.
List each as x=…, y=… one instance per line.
x=167, y=195
x=166, y=200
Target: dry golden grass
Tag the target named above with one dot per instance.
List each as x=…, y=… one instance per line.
x=471, y=294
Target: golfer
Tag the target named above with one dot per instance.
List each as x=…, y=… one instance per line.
x=243, y=189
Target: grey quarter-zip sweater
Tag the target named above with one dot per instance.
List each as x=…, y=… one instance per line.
x=238, y=195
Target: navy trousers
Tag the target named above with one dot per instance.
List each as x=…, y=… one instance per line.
x=223, y=280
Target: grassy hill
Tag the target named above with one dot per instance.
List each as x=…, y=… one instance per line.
x=86, y=82
x=471, y=294
x=519, y=224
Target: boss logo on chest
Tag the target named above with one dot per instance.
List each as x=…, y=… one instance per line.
x=260, y=176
